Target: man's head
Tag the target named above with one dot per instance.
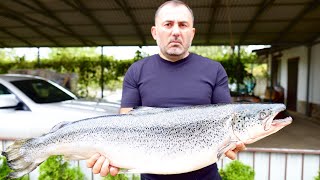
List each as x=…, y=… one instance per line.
x=173, y=30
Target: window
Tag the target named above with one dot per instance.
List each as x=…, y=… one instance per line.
x=4, y=90
x=41, y=91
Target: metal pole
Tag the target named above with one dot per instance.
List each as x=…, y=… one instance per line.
x=102, y=74
x=38, y=58
x=308, y=113
x=238, y=68
x=271, y=79
x=270, y=86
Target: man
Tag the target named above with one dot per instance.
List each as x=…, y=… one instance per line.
x=174, y=77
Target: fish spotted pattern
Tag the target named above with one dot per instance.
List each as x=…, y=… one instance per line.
x=152, y=140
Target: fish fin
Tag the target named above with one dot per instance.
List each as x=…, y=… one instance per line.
x=58, y=126
x=16, y=159
x=139, y=110
x=20, y=173
x=224, y=149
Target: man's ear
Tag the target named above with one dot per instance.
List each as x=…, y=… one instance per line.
x=154, y=32
x=194, y=32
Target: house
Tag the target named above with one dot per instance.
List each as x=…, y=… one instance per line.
x=296, y=69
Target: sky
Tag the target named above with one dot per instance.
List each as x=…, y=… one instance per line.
x=118, y=52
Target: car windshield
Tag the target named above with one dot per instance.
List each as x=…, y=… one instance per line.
x=41, y=91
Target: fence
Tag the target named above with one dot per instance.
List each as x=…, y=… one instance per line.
x=268, y=163
x=280, y=164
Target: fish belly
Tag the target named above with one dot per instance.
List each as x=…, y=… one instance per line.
x=160, y=163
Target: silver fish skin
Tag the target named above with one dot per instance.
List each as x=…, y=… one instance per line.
x=152, y=140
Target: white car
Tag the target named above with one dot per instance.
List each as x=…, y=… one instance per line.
x=31, y=106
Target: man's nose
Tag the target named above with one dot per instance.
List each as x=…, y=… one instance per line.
x=176, y=30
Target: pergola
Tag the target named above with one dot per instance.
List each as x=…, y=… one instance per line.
x=78, y=23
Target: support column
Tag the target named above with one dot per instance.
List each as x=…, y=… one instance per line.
x=270, y=83
x=238, y=73
x=308, y=113
x=102, y=74
x=38, y=56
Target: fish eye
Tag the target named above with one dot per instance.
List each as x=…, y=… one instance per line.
x=263, y=115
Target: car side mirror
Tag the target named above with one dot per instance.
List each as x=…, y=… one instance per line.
x=8, y=101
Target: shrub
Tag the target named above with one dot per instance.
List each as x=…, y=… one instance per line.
x=117, y=177
x=56, y=168
x=317, y=177
x=122, y=177
x=5, y=170
x=136, y=177
x=237, y=170
x=91, y=71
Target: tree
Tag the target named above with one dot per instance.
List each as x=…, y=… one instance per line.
x=7, y=54
x=237, y=65
x=57, y=53
x=212, y=52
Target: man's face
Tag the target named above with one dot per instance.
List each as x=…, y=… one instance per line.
x=173, y=31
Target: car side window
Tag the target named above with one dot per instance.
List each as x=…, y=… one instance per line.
x=4, y=90
x=5, y=93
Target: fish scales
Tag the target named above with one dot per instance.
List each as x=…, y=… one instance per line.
x=151, y=140
x=148, y=129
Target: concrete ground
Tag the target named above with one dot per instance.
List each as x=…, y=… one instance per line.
x=303, y=133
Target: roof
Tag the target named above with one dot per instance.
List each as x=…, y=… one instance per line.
x=63, y=23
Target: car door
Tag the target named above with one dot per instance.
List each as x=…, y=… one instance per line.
x=13, y=116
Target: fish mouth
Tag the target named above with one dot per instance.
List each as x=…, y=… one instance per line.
x=283, y=118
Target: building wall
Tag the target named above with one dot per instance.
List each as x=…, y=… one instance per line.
x=315, y=74
x=314, y=92
x=300, y=52
x=315, y=82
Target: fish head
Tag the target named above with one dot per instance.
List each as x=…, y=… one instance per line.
x=252, y=122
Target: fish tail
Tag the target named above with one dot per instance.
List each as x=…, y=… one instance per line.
x=16, y=160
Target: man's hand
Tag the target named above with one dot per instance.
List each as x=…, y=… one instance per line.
x=232, y=154
x=100, y=164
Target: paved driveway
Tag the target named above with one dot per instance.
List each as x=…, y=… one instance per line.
x=303, y=133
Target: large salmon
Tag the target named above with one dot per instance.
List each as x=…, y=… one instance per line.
x=152, y=140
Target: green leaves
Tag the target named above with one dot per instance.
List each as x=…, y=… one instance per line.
x=317, y=177
x=55, y=168
x=5, y=170
x=117, y=177
x=122, y=177
x=237, y=170
x=88, y=69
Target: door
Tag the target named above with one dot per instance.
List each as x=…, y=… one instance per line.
x=274, y=71
x=292, y=84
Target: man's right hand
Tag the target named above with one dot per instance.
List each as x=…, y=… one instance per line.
x=100, y=164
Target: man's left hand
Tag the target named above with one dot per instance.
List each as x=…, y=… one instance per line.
x=232, y=154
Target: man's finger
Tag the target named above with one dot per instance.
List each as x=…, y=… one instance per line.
x=113, y=170
x=92, y=160
x=105, y=168
x=231, y=155
x=239, y=147
x=97, y=166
